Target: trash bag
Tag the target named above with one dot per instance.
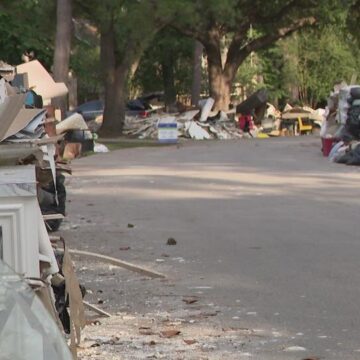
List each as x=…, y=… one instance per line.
x=353, y=121
x=355, y=157
x=355, y=92
x=354, y=115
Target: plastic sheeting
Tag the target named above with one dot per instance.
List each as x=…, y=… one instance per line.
x=27, y=332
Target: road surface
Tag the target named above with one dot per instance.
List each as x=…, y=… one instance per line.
x=267, y=234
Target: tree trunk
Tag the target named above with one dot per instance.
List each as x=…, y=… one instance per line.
x=115, y=104
x=114, y=81
x=167, y=66
x=221, y=71
x=220, y=83
x=62, y=47
x=197, y=72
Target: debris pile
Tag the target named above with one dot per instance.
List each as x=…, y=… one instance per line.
x=340, y=132
x=253, y=118
x=193, y=124
x=32, y=198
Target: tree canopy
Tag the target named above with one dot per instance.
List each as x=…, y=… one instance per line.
x=290, y=46
x=25, y=26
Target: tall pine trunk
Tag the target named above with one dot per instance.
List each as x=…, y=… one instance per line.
x=115, y=77
x=62, y=47
x=167, y=65
x=197, y=72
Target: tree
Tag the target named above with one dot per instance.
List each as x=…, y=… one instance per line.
x=62, y=47
x=353, y=19
x=165, y=65
x=317, y=61
x=197, y=72
x=223, y=28
x=26, y=26
x=126, y=29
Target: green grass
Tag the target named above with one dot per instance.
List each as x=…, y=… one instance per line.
x=126, y=143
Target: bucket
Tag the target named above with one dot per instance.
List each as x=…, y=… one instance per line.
x=327, y=144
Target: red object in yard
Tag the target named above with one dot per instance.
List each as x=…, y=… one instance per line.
x=327, y=144
x=246, y=123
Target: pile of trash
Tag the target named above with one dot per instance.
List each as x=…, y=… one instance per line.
x=341, y=131
x=34, y=196
x=253, y=118
x=197, y=123
x=193, y=124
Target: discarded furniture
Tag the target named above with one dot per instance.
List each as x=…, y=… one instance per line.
x=24, y=240
x=304, y=126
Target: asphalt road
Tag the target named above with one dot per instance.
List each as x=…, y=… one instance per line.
x=267, y=231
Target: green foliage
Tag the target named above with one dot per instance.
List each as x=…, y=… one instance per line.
x=274, y=72
x=353, y=20
x=316, y=61
x=167, y=43
x=247, y=76
x=198, y=17
x=129, y=19
x=85, y=63
x=26, y=25
x=305, y=66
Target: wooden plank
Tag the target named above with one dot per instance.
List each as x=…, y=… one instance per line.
x=53, y=217
x=96, y=309
x=117, y=262
x=48, y=140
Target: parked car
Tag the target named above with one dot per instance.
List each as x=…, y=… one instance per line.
x=89, y=110
x=137, y=107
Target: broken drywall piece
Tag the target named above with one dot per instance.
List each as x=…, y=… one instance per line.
x=22, y=121
x=73, y=122
x=205, y=111
x=188, y=115
x=8, y=112
x=41, y=81
x=195, y=131
x=37, y=120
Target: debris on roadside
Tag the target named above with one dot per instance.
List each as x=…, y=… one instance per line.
x=169, y=333
x=340, y=133
x=171, y=241
x=32, y=191
x=190, y=300
x=190, y=342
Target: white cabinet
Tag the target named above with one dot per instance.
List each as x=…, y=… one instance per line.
x=19, y=220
